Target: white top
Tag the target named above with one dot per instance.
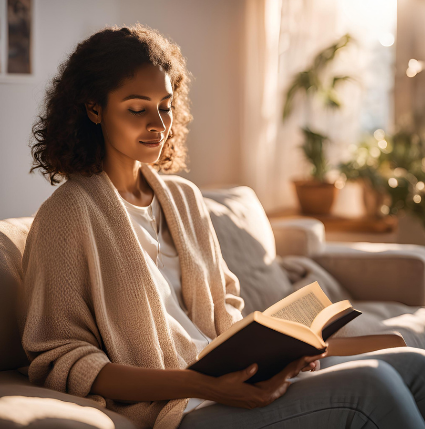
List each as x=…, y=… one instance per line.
x=152, y=231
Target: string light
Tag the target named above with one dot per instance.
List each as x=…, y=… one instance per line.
x=417, y=198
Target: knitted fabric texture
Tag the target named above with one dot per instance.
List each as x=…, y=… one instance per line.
x=89, y=298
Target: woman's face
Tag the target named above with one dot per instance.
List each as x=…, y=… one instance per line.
x=138, y=116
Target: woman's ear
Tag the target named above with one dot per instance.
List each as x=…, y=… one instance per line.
x=94, y=112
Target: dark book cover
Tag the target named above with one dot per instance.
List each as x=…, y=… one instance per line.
x=271, y=350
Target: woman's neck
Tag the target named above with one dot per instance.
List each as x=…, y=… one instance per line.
x=130, y=182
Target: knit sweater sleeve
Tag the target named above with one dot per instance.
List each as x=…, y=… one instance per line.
x=234, y=303
x=59, y=332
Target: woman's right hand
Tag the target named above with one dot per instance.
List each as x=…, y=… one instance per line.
x=231, y=390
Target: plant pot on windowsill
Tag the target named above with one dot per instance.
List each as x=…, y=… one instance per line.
x=315, y=197
x=373, y=200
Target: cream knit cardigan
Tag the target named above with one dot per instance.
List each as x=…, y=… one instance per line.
x=89, y=297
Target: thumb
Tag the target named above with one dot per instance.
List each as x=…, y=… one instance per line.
x=248, y=372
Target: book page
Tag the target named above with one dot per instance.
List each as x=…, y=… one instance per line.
x=304, y=310
x=329, y=315
x=302, y=306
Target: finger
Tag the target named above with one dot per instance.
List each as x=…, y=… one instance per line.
x=316, y=357
x=249, y=372
x=309, y=367
x=244, y=374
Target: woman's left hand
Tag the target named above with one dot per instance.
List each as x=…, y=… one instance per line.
x=312, y=366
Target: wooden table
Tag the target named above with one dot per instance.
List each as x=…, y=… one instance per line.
x=348, y=229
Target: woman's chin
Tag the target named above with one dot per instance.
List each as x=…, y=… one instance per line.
x=149, y=159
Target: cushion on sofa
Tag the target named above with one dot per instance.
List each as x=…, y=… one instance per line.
x=25, y=405
x=248, y=246
x=13, y=234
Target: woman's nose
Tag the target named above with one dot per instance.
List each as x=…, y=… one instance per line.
x=156, y=123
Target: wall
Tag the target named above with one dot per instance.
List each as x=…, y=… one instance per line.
x=58, y=26
x=208, y=33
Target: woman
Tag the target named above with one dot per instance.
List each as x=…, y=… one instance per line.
x=124, y=279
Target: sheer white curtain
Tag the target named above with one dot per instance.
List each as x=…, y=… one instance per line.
x=281, y=39
x=261, y=104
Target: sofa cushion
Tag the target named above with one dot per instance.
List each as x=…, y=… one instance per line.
x=248, y=246
x=385, y=318
x=13, y=234
x=23, y=404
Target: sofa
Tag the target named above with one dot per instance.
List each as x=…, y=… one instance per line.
x=384, y=281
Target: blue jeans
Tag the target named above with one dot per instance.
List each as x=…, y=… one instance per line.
x=383, y=389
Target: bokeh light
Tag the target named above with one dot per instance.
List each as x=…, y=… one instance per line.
x=385, y=210
x=386, y=39
x=414, y=68
x=393, y=182
x=379, y=134
x=375, y=152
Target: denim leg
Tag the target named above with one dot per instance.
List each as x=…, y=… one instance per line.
x=365, y=394
x=409, y=362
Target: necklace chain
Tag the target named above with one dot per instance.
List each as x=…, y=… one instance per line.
x=158, y=257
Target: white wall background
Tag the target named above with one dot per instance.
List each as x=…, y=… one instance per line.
x=209, y=34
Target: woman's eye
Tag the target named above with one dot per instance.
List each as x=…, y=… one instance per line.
x=134, y=112
x=139, y=112
x=168, y=110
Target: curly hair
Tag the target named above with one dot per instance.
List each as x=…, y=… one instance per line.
x=66, y=140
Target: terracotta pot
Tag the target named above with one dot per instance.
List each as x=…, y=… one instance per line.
x=315, y=197
x=372, y=200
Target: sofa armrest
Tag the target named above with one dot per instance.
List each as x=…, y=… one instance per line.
x=377, y=272
x=298, y=236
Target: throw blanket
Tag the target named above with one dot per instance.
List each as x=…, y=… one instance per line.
x=89, y=298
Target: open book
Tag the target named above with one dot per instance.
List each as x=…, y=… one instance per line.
x=295, y=326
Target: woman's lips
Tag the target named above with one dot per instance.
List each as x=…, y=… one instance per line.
x=151, y=143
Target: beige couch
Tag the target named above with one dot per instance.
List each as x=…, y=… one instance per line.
x=386, y=282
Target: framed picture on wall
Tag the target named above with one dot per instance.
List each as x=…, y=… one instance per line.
x=16, y=40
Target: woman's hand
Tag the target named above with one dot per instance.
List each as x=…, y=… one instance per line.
x=347, y=346
x=313, y=366
x=231, y=390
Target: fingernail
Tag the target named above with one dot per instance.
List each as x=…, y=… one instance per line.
x=252, y=370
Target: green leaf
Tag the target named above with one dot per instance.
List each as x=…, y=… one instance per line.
x=338, y=79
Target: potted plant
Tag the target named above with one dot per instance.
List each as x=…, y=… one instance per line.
x=316, y=194
x=392, y=171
